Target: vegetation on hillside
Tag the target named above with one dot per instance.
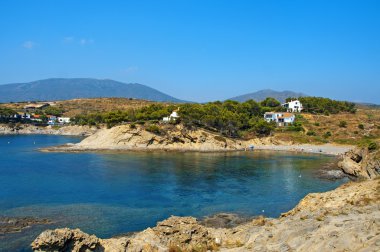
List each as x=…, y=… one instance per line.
x=320, y=105
x=6, y=112
x=230, y=118
x=360, y=128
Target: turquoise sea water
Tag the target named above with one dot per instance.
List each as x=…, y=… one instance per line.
x=111, y=193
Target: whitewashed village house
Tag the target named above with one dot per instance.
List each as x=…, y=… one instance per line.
x=172, y=118
x=63, y=120
x=293, y=106
x=53, y=120
x=281, y=118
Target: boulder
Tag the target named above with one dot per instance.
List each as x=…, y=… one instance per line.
x=66, y=240
x=361, y=163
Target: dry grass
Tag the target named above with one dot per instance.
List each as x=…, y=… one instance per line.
x=84, y=106
x=351, y=134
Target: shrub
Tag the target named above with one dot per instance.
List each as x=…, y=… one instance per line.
x=53, y=111
x=311, y=133
x=299, y=117
x=378, y=127
x=270, y=102
x=220, y=139
x=361, y=126
x=317, y=124
x=262, y=128
x=297, y=126
x=327, y=134
x=372, y=146
x=154, y=129
x=343, y=124
x=132, y=126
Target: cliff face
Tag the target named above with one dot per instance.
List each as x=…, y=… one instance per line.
x=361, y=163
x=345, y=219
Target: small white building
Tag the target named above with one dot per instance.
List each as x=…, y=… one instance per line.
x=281, y=118
x=172, y=118
x=63, y=120
x=293, y=106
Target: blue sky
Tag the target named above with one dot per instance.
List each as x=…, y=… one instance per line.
x=198, y=50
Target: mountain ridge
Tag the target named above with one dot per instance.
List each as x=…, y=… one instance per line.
x=264, y=93
x=72, y=88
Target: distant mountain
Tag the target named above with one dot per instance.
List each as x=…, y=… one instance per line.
x=262, y=94
x=368, y=104
x=65, y=89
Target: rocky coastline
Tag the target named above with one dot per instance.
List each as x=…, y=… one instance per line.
x=26, y=129
x=345, y=219
x=178, y=138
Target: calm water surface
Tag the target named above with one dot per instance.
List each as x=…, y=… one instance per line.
x=112, y=193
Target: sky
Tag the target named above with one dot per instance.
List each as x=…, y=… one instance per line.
x=198, y=50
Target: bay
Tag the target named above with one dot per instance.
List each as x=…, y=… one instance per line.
x=107, y=194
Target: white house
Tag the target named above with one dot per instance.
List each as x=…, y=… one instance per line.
x=293, y=106
x=173, y=117
x=281, y=118
x=63, y=120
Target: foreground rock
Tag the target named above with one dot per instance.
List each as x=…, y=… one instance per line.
x=25, y=129
x=17, y=224
x=361, y=163
x=345, y=219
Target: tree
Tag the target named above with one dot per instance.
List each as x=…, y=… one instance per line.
x=55, y=111
x=262, y=128
x=270, y=102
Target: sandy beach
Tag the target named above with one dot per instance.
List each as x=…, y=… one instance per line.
x=328, y=149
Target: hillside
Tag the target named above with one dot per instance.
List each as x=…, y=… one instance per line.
x=65, y=89
x=262, y=94
x=74, y=107
x=360, y=128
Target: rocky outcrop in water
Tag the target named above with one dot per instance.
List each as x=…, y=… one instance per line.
x=17, y=224
x=361, y=163
x=345, y=219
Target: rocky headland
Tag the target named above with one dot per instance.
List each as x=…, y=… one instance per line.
x=137, y=137
x=345, y=219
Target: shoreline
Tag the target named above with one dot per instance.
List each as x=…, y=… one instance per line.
x=141, y=143
x=326, y=149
